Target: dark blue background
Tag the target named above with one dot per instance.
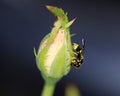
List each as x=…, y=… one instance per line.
x=23, y=23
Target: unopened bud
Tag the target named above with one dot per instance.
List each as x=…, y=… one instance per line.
x=55, y=52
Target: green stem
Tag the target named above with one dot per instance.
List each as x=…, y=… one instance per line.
x=48, y=89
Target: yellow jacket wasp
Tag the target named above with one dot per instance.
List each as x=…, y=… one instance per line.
x=78, y=54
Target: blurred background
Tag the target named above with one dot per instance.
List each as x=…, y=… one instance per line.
x=23, y=24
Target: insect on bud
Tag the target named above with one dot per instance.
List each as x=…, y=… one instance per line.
x=55, y=52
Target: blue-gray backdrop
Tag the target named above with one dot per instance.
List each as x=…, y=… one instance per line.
x=23, y=23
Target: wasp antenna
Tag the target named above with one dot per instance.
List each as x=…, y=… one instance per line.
x=83, y=44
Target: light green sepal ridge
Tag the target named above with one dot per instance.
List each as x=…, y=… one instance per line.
x=60, y=69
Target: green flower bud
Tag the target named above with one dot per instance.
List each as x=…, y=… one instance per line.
x=55, y=52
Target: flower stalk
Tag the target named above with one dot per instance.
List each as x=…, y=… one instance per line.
x=48, y=89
